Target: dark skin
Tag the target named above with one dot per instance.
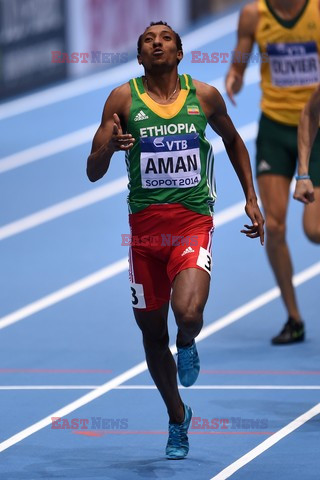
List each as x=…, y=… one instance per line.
x=190, y=289
x=248, y=24
x=274, y=189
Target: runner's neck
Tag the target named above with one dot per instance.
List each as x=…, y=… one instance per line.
x=162, y=90
x=287, y=9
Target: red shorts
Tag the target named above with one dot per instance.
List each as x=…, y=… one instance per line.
x=165, y=239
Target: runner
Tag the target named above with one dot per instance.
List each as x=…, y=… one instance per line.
x=288, y=35
x=159, y=120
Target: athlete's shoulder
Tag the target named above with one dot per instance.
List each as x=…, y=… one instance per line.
x=205, y=90
x=120, y=97
x=210, y=98
x=118, y=101
x=251, y=9
x=121, y=91
x=249, y=17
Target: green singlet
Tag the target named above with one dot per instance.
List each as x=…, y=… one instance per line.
x=171, y=160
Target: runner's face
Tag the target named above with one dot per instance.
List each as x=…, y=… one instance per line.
x=159, y=47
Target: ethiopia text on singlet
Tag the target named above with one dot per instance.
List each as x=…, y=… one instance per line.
x=171, y=160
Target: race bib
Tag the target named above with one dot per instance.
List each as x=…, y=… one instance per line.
x=172, y=161
x=294, y=64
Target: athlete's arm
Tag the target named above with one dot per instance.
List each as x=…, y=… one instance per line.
x=215, y=110
x=109, y=137
x=307, y=132
x=248, y=22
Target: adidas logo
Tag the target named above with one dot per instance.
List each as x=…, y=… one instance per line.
x=140, y=116
x=187, y=250
x=263, y=166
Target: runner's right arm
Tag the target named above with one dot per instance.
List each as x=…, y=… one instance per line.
x=248, y=22
x=109, y=137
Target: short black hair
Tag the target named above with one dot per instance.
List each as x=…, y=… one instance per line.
x=178, y=39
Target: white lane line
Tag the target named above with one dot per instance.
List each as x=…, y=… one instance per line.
x=120, y=266
x=100, y=276
x=266, y=444
x=83, y=136
x=248, y=132
x=46, y=149
x=49, y=387
x=71, y=407
x=252, y=76
x=221, y=218
x=226, y=387
x=257, y=302
x=89, y=198
x=66, y=292
x=202, y=36
x=153, y=387
x=229, y=214
x=210, y=33
x=67, y=206
x=141, y=367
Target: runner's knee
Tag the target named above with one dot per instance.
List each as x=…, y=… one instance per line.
x=155, y=333
x=155, y=344
x=276, y=229
x=189, y=318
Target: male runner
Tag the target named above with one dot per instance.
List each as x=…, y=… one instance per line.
x=159, y=120
x=288, y=32
x=307, y=133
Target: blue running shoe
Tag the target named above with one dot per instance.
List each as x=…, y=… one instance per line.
x=178, y=444
x=188, y=364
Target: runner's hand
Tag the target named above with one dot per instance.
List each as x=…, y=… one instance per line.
x=304, y=191
x=119, y=140
x=256, y=229
x=234, y=83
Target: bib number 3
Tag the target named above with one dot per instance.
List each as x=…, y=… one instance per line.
x=205, y=260
x=137, y=295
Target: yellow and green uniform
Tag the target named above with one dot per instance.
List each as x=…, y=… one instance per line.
x=288, y=79
x=171, y=160
x=289, y=76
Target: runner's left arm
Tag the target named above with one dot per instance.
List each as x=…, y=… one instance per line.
x=221, y=123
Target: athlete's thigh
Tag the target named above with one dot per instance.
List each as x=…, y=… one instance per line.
x=190, y=265
x=149, y=282
x=190, y=290
x=276, y=148
x=311, y=216
x=274, y=194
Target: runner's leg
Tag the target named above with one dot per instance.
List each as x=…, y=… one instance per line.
x=274, y=193
x=189, y=295
x=161, y=363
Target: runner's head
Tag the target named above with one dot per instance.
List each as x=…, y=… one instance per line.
x=159, y=45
